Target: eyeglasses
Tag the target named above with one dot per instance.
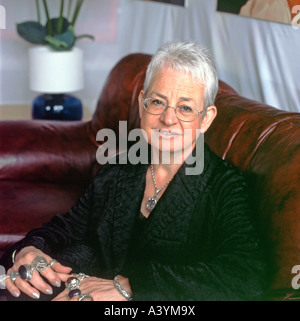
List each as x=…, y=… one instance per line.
x=155, y=106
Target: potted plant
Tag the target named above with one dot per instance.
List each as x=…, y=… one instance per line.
x=57, y=32
x=55, y=62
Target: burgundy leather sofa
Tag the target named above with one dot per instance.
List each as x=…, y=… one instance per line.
x=46, y=165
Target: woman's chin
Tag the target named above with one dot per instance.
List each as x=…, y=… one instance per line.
x=174, y=153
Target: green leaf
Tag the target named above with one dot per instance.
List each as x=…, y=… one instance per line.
x=55, y=25
x=64, y=41
x=32, y=32
x=56, y=43
x=85, y=36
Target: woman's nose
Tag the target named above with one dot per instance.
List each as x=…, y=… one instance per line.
x=169, y=116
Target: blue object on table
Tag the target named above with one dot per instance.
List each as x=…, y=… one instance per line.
x=57, y=107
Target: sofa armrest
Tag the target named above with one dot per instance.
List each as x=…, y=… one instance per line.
x=45, y=167
x=46, y=151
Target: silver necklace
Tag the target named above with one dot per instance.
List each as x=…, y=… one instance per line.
x=152, y=201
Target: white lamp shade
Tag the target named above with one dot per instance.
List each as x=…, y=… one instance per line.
x=55, y=72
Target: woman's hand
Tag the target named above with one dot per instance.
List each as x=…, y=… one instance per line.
x=54, y=274
x=99, y=289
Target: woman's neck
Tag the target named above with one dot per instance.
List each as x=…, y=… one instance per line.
x=169, y=160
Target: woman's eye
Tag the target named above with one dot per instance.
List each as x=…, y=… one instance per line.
x=157, y=102
x=185, y=109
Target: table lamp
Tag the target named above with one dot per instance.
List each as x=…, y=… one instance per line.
x=55, y=74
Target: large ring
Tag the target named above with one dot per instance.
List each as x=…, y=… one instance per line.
x=85, y=297
x=26, y=271
x=52, y=262
x=80, y=276
x=2, y=281
x=14, y=275
x=74, y=292
x=72, y=283
x=39, y=263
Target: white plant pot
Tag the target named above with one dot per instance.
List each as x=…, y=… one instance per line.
x=55, y=72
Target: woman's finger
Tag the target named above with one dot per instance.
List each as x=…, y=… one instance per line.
x=12, y=288
x=38, y=283
x=51, y=276
x=19, y=285
x=59, y=268
x=64, y=276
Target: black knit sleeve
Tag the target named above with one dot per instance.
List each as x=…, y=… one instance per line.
x=68, y=230
x=60, y=232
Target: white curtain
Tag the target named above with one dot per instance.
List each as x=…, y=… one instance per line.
x=258, y=58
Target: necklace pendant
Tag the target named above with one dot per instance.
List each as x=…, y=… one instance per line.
x=152, y=201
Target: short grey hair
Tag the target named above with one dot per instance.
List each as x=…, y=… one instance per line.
x=190, y=58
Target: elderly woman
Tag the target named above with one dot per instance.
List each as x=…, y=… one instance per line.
x=152, y=231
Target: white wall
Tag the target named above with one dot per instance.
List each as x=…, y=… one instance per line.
x=98, y=17
x=257, y=58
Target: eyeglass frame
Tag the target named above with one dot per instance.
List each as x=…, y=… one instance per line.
x=168, y=106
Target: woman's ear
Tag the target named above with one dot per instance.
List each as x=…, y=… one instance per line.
x=141, y=107
x=210, y=114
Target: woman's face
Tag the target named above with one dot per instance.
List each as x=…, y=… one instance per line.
x=166, y=132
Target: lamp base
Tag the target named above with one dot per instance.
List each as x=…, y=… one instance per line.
x=57, y=107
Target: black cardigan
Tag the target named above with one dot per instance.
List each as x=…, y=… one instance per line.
x=199, y=243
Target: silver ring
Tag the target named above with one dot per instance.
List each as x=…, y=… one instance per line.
x=85, y=297
x=80, y=276
x=72, y=283
x=13, y=256
x=14, y=275
x=2, y=281
x=52, y=262
x=39, y=263
x=26, y=272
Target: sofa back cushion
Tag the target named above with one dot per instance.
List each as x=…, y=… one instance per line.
x=264, y=143
x=119, y=97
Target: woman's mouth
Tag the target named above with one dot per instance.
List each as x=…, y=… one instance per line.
x=167, y=134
